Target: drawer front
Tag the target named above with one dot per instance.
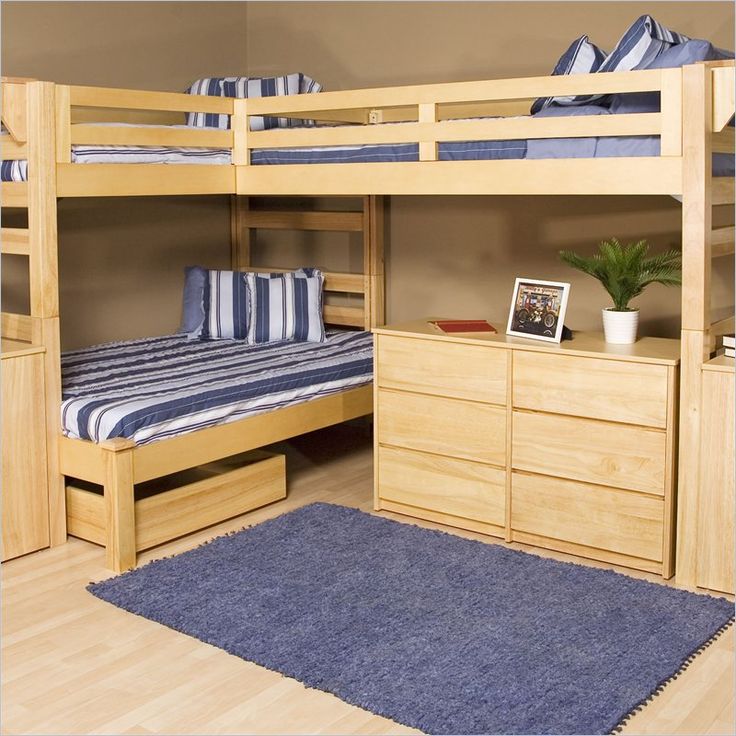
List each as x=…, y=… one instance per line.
x=446, y=485
x=587, y=450
x=462, y=429
x=442, y=368
x=612, y=390
x=594, y=516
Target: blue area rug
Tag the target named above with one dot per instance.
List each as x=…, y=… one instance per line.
x=448, y=635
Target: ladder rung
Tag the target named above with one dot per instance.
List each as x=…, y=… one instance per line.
x=722, y=241
x=17, y=326
x=722, y=190
x=15, y=241
x=14, y=194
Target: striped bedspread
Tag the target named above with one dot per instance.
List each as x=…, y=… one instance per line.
x=155, y=388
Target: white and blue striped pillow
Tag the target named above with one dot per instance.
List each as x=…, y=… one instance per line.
x=226, y=306
x=643, y=42
x=582, y=57
x=244, y=87
x=285, y=306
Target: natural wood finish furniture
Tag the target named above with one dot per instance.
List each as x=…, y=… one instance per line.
x=568, y=447
x=25, y=498
x=716, y=551
x=44, y=120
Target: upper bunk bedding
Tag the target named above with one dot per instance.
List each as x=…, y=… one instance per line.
x=155, y=388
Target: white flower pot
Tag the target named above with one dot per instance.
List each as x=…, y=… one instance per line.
x=620, y=327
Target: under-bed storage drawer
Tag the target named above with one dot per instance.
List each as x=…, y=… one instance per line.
x=462, y=429
x=442, y=368
x=614, y=390
x=591, y=451
x=598, y=517
x=460, y=488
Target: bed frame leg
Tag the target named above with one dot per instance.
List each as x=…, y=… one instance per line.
x=119, y=505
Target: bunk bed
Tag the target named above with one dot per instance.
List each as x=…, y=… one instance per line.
x=48, y=124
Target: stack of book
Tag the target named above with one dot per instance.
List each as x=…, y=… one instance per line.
x=729, y=346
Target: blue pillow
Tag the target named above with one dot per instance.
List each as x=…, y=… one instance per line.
x=285, y=306
x=192, y=311
x=678, y=55
x=582, y=57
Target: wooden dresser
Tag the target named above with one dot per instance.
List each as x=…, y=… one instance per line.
x=25, y=503
x=568, y=447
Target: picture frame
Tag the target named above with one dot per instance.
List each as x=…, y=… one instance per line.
x=538, y=309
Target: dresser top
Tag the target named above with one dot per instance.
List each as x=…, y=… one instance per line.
x=589, y=344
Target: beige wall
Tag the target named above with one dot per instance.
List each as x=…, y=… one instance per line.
x=121, y=260
x=458, y=256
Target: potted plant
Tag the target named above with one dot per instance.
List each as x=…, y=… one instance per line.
x=625, y=271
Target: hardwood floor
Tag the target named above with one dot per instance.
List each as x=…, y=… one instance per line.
x=72, y=664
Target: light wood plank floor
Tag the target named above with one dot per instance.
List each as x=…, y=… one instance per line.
x=75, y=665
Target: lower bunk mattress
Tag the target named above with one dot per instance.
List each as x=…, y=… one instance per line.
x=160, y=387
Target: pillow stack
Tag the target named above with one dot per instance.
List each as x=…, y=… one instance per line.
x=645, y=45
x=244, y=87
x=254, y=307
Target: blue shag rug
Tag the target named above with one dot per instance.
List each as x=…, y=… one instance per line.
x=445, y=634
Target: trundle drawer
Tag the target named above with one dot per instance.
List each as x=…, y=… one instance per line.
x=613, y=390
x=589, y=450
x=449, y=486
x=442, y=368
x=595, y=516
x=463, y=429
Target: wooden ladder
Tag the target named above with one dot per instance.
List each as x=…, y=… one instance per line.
x=29, y=117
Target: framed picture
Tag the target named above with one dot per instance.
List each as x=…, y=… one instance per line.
x=538, y=309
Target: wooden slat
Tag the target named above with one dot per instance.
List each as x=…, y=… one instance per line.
x=723, y=190
x=478, y=91
x=131, y=135
x=63, y=124
x=722, y=241
x=347, y=283
x=347, y=316
x=724, y=97
x=724, y=142
x=655, y=175
x=722, y=326
x=15, y=241
x=461, y=130
x=14, y=193
x=17, y=326
x=671, y=105
x=144, y=100
x=13, y=150
x=14, y=109
x=131, y=180
x=325, y=221
x=85, y=514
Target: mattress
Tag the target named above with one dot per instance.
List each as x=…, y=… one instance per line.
x=160, y=387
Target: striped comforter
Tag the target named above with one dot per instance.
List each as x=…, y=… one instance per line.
x=154, y=388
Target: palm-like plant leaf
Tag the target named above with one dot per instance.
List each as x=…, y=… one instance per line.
x=626, y=270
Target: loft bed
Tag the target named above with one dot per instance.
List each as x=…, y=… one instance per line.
x=47, y=124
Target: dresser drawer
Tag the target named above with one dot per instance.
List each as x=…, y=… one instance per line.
x=587, y=450
x=446, y=485
x=463, y=429
x=440, y=368
x=613, y=390
x=594, y=516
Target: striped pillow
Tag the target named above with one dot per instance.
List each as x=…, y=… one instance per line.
x=244, y=87
x=285, y=306
x=226, y=307
x=582, y=57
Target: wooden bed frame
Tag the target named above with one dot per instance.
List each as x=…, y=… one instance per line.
x=45, y=120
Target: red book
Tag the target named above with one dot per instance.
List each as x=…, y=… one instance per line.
x=463, y=325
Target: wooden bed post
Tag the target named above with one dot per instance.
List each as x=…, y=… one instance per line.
x=239, y=233
x=696, y=272
x=44, y=280
x=120, y=549
x=373, y=262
